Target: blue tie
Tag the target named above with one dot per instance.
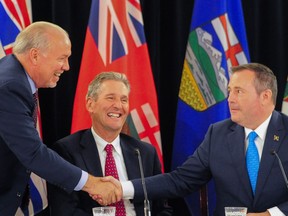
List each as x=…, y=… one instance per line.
x=252, y=160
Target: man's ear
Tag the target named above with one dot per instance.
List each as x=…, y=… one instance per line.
x=34, y=55
x=89, y=104
x=266, y=97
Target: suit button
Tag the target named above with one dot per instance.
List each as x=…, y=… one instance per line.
x=18, y=194
x=28, y=171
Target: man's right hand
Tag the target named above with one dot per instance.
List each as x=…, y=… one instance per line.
x=104, y=192
x=119, y=193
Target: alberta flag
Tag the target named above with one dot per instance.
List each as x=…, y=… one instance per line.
x=217, y=41
x=115, y=41
x=15, y=16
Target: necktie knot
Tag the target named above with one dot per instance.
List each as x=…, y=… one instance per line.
x=252, y=136
x=110, y=165
x=35, y=97
x=109, y=148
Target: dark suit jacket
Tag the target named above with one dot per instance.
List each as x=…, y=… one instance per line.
x=80, y=149
x=222, y=156
x=21, y=150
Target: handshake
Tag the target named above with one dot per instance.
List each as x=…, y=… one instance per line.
x=104, y=190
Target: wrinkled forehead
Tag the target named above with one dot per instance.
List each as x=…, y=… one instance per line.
x=241, y=78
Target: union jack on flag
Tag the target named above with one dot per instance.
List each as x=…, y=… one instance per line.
x=135, y=22
x=15, y=15
x=108, y=30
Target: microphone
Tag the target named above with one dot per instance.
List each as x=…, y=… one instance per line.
x=273, y=152
x=147, y=211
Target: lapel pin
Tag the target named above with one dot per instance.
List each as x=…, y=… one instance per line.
x=276, y=138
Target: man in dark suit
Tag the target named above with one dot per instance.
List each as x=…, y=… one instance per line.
x=222, y=154
x=40, y=56
x=107, y=102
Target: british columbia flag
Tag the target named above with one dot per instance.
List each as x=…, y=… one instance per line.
x=15, y=15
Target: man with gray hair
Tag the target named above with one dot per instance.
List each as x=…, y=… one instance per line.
x=107, y=102
x=40, y=56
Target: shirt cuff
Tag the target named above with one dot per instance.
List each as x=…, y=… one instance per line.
x=275, y=211
x=128, y=190
x=82, y=181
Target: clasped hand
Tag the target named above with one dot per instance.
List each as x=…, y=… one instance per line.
x=104, y=190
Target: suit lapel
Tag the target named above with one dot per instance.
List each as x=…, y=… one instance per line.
x=90, y=154
x=91, y=157
x=130, y=159
x=274, y=138
x=236, y=145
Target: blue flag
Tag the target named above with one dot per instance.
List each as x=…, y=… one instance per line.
x=217, y=41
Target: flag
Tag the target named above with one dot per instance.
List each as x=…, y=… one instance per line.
x=285, y=100
x=115, y=41
x=15, y=16
x=217, y=41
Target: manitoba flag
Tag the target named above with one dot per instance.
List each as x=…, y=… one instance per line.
x=115, y=41
x=15, y=16
x=217, y=41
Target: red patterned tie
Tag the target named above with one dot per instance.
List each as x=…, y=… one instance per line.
x=35, y=98
x=111, y=170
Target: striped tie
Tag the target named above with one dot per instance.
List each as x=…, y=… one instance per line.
x=111, y=170
x=252, y=160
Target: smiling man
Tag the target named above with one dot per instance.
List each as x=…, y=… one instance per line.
x=43, y=50
x=107, y=102
x=40, y=56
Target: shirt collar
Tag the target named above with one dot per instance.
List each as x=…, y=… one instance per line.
x=101, y=143
x=32, y=84
x=261, y=130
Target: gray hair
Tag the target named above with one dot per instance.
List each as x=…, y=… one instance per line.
x=95, y=84
x=265, y=78
x=36, y=35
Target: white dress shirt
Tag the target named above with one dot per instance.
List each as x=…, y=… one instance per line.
x=120, y=165
x=259, y=141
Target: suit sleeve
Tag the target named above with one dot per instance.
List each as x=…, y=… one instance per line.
x=187, y=178
x=160, y=207
x=18, y=133
x=61, y=203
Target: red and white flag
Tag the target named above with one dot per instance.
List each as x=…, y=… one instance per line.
x=115, y=41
